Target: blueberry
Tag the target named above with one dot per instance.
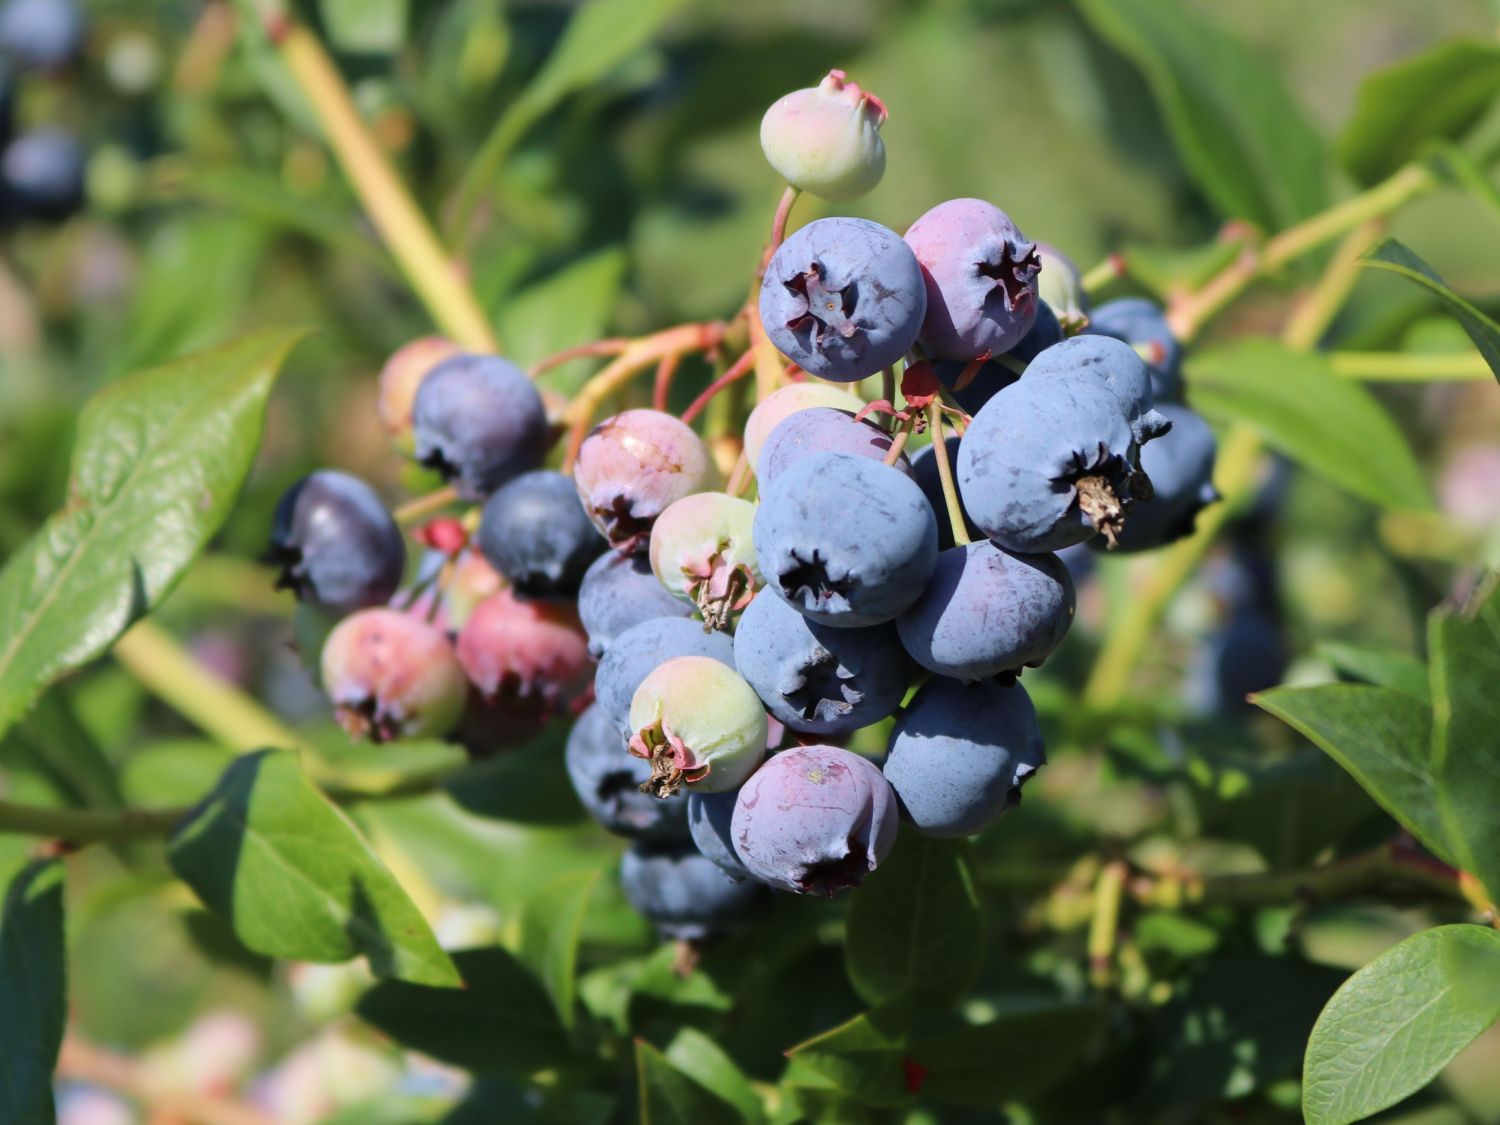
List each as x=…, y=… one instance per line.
x=702, y=551
x=1143, y=324
x=988, y=381
x=960, y=753
x=814, y=820
x=822, y=430
x=1048, y=462
x=42, y=34
x=698, y=724
x=526, y=650
x=782, y=403
x=685, y=896
x=399, y=379
x=987, y=611
x=42, y=173
x=1246, y=655
x=335, y=543
x=843, y=298
x=924, y=471
x=535, y=534
x=632, y=467
x=1060, y=286
x=981, y=278
x=826, y=140
x=845, y=540
x=478, y=422
x=619, y=591
x=1045, y=331
x=815, y=678
x=710, y=817
x=608, y=781
x=391, y=675
x=1181, y=467
x=637, y=651
x=1116, y=365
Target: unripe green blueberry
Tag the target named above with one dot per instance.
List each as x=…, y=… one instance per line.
x=391, y=675
x=702, y=551
x=698, y=724
x=1060, y=285
x=826, y=140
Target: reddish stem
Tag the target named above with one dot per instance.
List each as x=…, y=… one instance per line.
x=737, y=370
x=778, y=228
x=613, y=346
x=663, y=386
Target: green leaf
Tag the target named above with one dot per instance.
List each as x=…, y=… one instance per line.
x=1438, y=94
x=1381, y=736
x=863, y=1057
x=697, y=1055
x=1395, y=1023
x=671, y=1097
x=914, y=927
x=1393, y=256
x=1290, y=397
x=550, y=928
x=365, y=27
x=158, y=462
x=1241, y=135
x=501, y=1021
x=1012, y=1058
x=33, y=984
x=294, y=877
x=562, y=308
x=54, y=743
x=1465, y=718
x=1383, y=667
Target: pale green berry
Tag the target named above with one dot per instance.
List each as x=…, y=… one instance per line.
x=702, y=551
x=698, y=724
x=826, y=140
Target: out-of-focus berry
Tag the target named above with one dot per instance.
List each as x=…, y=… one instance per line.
x=608, y=780
x=826, y=140
x=335, y=544
x=1143, y=325
x=399, y=379
x=391, y=675
x=478, y=422
x=685, y=896
x=535, y=534
x=42, y=34
x=1181, y=467
x=525, y=649
x=42, y=175
x=710, y=817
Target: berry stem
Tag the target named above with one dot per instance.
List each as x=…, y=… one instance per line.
x=945, y=473
x=1104, y=926
x=662, y=387
x=887, y=394
x=415, y=511
x=898, y=442
x=736, y=371
x=1409, y=367
x=433, y=275
x=741, y=476
x=1101, y=275
x=778, y=228
x=613, y=346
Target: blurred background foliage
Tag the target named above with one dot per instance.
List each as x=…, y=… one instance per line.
x=628, y=192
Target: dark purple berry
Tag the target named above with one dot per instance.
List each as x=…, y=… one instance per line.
x=478, y=422
x=685, y=896
x=335, y=544
x=536, y=535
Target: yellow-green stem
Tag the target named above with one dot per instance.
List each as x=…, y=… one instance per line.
x=87, y=826
x=1410, y=367
x=945, y=473
x=1104, y=924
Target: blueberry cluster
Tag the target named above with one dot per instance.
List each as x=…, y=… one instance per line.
x=718, y=654
x=42, y=168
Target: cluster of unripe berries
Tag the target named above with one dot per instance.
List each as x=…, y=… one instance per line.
x=717, y=653
x=41, y=169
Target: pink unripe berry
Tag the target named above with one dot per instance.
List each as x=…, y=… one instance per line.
x=529, y=650
x=826, y=140
x=391, y=675
x=781, y=404
x=698, y=724
x=702, y=551
x=632, y=467
x=399, y=379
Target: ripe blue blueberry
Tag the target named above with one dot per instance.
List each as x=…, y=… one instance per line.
x=685, y=896
x=535, y=533
x=1181, y=467
x=335, y=544
x=843, y=298
x=822, y=430
x=710, y=817
x=1045, y=331
x=960, y=753
x=1117, y=366
x=637, y=652
x=845, y=540
x=42, y=34
x=981, y=279
x=924, y=471
x=478, y=422
x=619, y=591
x=988, y=611
x=816, y=678
x=42, y=174
x=1142, y=324
x=814, y=820
x=1245, y=655
x=608, y=781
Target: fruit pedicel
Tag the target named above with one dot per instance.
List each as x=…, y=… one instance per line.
x=715, y=635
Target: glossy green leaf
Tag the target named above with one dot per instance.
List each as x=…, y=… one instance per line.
x=1438, y=94
x=550, y=929
x=1382, y=667
x=671, y=1097
x=1011, y=1058
x=501, y=1021
x=295, y=879
x=1392, y=256
x=55, y=744
x=1241, y=135
x=159, y=460
x=1395, y=1023
x=864, y=1057
x=1290, y=398
x=914, y=928
x=1381, y=736
x=697, y=1055
x=1466, y=735
x=33, y=983
x=562, y=308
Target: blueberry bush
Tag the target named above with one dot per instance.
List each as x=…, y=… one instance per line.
x=544, y=543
